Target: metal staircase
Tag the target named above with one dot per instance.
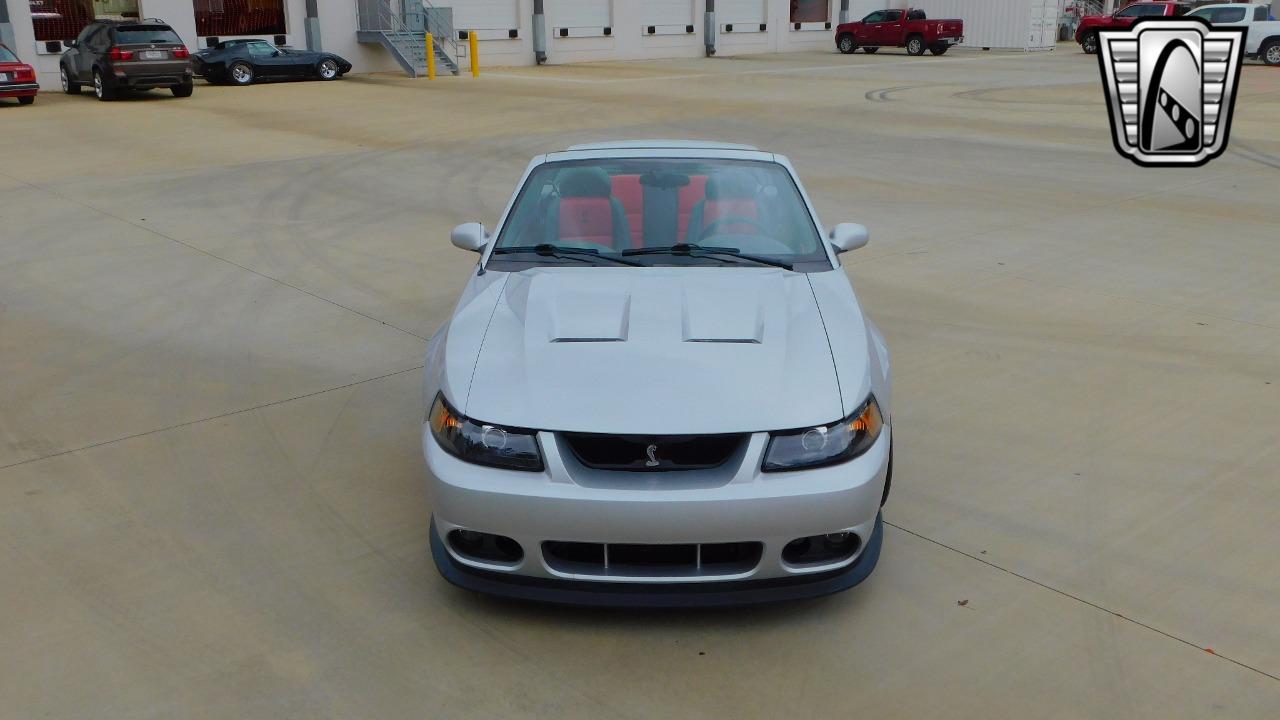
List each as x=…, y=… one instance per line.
x=1090, y=7
x=401, y=27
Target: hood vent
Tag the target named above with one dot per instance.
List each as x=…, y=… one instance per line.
x=591, y=317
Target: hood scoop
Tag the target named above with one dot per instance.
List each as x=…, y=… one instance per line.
x=711, y=315
x=591, y=317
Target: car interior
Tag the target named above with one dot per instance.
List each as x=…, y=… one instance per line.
x=587, y=205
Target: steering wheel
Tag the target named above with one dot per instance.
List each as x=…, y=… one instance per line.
x=707, y=231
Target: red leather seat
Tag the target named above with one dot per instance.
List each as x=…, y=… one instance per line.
x=628, y=190
x=587, y=212
x=728, y=195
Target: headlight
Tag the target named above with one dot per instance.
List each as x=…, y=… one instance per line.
x=482, y=443
x=827, y=444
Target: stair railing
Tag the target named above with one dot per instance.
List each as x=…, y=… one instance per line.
x=439, y=22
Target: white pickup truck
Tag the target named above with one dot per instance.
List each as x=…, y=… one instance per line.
x=1263, y=39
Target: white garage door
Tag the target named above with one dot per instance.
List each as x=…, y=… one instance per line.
x=578, y=13
x=668, y=12
x=484, y=14
x=747, y=12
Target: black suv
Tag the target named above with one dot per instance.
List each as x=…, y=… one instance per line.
x=112, y=55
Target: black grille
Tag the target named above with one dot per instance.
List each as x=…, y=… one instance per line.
x=653, y=453
x=668, y=560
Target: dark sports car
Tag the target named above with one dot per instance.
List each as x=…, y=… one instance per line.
x=241, y=62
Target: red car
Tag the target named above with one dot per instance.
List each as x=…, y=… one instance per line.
x=1087, y=32
x=17, y=79
x=899, y=28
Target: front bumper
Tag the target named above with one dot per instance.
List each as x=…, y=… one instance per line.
x=734, y=503
x=654, y=595
x=19, y=90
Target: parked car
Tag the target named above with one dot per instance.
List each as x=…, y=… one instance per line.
x=1090, y=25
x=1262, y=40
x=899, y=28
x=115, y=55
x=658, y=388
x=17, y=79
x=241, y=62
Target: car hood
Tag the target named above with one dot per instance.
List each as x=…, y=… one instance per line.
x=655, y=351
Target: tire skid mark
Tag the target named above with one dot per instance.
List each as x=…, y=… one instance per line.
x=984, y=95
x=883, y=94
x=1249, y=153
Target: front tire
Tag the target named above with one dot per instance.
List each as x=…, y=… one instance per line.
x=939, y=49
x=26, y=99
x=101, y=89
x=69, y=86
x=1089, y=44
x=871, y=50
x=846, y=45
x=1270, y=53
x=915, y=45
x=240, y=74
x=183, y=90
x=327, y=69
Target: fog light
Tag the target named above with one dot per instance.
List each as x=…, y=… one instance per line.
x=824, y=549
x=485, y=547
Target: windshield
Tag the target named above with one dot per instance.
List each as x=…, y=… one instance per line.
x=6, y=56
x=143, y=34
x=661, y=211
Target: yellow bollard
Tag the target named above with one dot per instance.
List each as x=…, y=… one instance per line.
x=475, y=53
x=431, y=57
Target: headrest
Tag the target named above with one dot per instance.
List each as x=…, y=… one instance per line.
x=728, y=184
x=584, y=182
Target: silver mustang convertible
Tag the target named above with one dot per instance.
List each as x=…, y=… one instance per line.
x=658, y=388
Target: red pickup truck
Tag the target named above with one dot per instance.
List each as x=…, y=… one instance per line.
x=899, y=28
x=1087, y=32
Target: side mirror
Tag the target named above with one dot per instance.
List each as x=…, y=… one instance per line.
x=849, y=236
x=73, y=43
x=469, y=236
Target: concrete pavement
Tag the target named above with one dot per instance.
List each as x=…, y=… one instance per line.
x=213, y=312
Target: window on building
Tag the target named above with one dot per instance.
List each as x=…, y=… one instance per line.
x=805, y=11
x=64, y=19
x=239, y=17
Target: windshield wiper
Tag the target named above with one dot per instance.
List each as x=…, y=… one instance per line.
x=564, y=253
x=711, y=251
